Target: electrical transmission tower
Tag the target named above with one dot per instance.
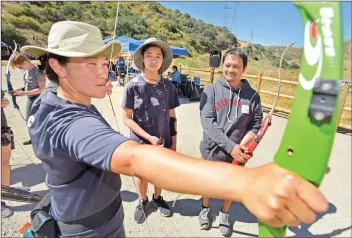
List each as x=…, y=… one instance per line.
x=252, y=36
x=230, y=15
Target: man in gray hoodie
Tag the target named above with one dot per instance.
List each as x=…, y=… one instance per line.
x=231, y=115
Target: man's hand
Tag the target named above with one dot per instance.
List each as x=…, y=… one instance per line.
x=4, y=102
x=239, y=153
x=108, y=87
x=279, y=197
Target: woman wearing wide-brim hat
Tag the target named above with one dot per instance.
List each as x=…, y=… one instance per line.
x=83, y=156
x=149, y=103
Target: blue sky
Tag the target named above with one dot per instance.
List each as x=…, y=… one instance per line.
x=273, y=23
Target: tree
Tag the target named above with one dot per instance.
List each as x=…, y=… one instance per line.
x=294, y=66
x=284, y=64
x=9, y=33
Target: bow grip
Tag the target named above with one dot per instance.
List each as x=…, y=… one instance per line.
x=252, y=145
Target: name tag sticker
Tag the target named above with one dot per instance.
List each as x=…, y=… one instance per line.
x=245, y=109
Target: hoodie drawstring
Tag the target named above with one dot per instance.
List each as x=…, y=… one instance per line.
x=238, y=101
x=230, y=103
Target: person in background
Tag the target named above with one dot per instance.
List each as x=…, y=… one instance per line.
x=34, y=81
x=7, y=145
x=52, y=86
x=175, y=75
x=231, y=115
x=120, y=66
x=149, y=103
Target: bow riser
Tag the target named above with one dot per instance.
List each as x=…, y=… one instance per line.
x=10, y=88
x=9, y=84
x=310, y=153
x=308, y=138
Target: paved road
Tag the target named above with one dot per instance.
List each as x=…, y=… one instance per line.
x=27, y=171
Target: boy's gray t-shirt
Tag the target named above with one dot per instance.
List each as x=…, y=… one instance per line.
x=32, y=78
x=151, y=104
x=67, y=137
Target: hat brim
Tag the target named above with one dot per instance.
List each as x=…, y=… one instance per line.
x=138, y=57
x=110, y=50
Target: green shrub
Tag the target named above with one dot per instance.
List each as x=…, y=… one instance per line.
x=15, y=10
x=25, y=22
x=294, y=66
x=10, y=33
x=45, y=27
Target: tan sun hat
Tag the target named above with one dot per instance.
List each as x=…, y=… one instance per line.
x=138, y=57
x=75, y=39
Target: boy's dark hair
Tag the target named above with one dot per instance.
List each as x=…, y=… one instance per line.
x=146, y=47
x=175, y=67
x=50, y=73
x=236, y=52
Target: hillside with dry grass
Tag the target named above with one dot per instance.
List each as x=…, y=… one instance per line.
x=29, y=23
x=265, y=59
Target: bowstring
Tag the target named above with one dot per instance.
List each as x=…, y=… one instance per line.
x=110, y=66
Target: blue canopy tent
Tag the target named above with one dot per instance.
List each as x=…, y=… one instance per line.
x=125, y=41
x=130, y=45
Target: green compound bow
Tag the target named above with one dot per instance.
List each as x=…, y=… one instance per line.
x=315, y=110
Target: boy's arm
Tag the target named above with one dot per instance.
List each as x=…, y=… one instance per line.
x=173, y=103
x=173, y=124
x=135, y=128
x=41, y=83
x=127, y=113
x=36, y=91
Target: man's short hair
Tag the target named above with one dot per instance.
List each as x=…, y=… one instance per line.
x=237, y=52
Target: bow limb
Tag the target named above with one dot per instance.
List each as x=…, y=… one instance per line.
x=315, y=110
x=8, y=78
x=252, y=144
x=9, y=84
x=279, y=83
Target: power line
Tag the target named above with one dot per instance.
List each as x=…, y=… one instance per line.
x=228, y=9
x=234, y=16
x=225, y=13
